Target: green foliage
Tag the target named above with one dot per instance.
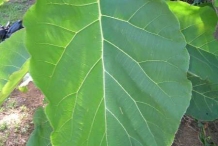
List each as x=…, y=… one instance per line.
x=204, y=138
x=115, y=75
x=14, y=63
x=97, y=70
x=1, y=2
x=42, y=130
x=198, y=30
x=3, y=126
x=216, y=3
x=23, y=89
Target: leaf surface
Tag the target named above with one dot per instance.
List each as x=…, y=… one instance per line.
x=215, y=3
x=14, y=63
x=1, y=2
x=114, y=74
x=197, y=25
x=42, y=130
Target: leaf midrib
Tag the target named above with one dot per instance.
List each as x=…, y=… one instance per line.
x=103, y=67
x=105, y=72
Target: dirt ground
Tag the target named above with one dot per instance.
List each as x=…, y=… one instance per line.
x=194, y=133
x=16, y=116
x=18, y=110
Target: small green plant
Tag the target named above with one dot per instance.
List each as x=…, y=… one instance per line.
x=3, y=126
x=2, y=109
x=11, y=103
x=23, y=108
x=4, y=137
x=204, y=138
x=16, y=127
x=25, y=128
x=23, y=89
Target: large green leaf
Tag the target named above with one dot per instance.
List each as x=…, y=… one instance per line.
x=197, y=25
x=113, y=71
x=42, y=130
x=14, y=63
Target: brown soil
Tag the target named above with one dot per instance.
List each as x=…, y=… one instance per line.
x=188, y=133
x=194, y=133
x=17, y=113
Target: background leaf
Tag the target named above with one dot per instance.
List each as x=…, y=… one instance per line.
x=42, y=130
x=1, y=2
x=114, y=74
x=215, y=3
x=14, y=63
x=197, y=25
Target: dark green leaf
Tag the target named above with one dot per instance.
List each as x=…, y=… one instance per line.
x=197, y=25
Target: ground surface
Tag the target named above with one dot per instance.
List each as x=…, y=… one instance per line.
x=195, y=133
x=16, y=114
x=13, y=10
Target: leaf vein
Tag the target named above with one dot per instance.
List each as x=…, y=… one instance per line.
x=134, y=103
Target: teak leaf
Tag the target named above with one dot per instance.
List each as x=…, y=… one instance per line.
x=14, y=63
x=42, y=130
x=198, y=29
x=113, y=71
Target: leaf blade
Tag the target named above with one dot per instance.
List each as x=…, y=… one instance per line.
x=198, y=30
x=110, y=80
x=14, y=63
x=42, y=130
